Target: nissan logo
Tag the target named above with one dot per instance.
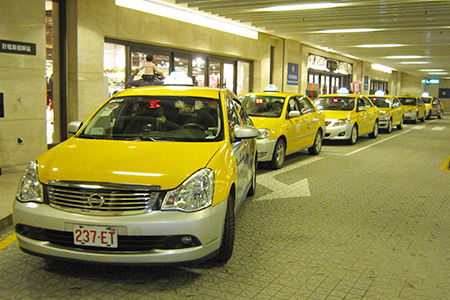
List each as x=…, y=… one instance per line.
x=96, y=200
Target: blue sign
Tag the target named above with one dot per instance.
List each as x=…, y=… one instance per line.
x=292, y=75
x=366, y=82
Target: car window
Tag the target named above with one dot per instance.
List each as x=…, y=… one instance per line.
x=155, y=118
x=380, y=101
x=262, y=105
x=408, y=101
x=335, y=103
x=367, y=102
x=306, y=106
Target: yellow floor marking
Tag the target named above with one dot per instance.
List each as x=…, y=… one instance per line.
x=446, y=166
x=11, y=238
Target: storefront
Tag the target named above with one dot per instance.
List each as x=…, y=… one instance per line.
x=328, y=74
x=121, y=58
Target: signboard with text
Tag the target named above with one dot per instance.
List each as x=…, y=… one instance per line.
x=292, y=75
x=17, y=47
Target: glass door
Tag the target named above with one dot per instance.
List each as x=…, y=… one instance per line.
x=214, y=74
x=228, y=76
x=199, y=69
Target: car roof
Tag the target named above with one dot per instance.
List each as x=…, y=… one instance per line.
x=274, y=94
x=173, y=90
x=341, y=95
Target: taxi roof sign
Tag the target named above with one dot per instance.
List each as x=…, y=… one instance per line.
x=178, y=78
x=271, y=88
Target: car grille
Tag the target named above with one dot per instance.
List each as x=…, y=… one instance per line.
x=95, y=199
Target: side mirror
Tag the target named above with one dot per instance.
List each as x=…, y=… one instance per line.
x=245, y=132
x=294, y=114
x=74, y=126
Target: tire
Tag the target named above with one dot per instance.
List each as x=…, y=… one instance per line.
x=317, y=146
x=389, y=128
x=279, y=154
x=400, y=126
x=374, y=133
x=226, y=247
x=252, y=189
x=354, y=136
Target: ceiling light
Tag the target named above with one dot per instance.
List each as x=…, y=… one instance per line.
x=379, y=45
x=167, y=10
x=404, y=56
x=438, y=73
x=382, y=68
x=300, y=7
x=349, y=30
x=414, y=62
x=432, y=70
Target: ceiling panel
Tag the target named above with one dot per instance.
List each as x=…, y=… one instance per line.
x=423, y=27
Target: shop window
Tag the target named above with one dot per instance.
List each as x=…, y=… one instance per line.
x=181, y=64
x=161, y=61
x=198, y=70
x=214, y=74
x=114, y=67
x=228, y=76
x=243, y=77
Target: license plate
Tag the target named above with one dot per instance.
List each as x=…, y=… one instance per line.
x=97, y=236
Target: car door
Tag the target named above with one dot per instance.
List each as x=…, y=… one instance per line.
x=397, y=111
x=241, y=149
x=311, y=121
x=296, y=126
x=372, y=113
x=361, y=116
x=421, y=107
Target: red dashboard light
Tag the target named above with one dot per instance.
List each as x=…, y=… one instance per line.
x=155, y=104
x=259, y=101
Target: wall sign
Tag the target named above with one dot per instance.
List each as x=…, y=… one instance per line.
x=2, y=106
x=431, y=81
x=17, y=47
x=366, y=82
x=292, y=75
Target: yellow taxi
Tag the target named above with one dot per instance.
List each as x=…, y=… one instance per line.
x=391, y=111
x=435, y=108
x=348, y=116
x=414, y=108
x=287, y=123
x=154, y=176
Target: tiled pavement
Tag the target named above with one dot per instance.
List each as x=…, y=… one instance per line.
x=369, y=221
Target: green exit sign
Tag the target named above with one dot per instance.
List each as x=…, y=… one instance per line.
x=431, y=81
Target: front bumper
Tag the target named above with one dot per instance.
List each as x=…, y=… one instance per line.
x=342, y=132
x=205, y=226
x=410, y=115
x=265, y=149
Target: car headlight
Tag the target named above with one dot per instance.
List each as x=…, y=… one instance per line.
x=263, y=133
x=384, y=116
x=341, y=122
x=30, y=189
x=194, y=194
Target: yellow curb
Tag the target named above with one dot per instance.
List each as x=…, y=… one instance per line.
x=446, y=166
x=11, y=238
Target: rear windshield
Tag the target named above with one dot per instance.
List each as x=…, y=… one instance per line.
x=335, y=103
x=262, y=106
x=152, y=118
x=380, y=101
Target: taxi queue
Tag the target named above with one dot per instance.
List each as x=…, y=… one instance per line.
x=184, y=160
x=290, y=122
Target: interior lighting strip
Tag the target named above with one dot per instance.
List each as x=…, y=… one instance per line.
x=186, y=15
x=382, y=68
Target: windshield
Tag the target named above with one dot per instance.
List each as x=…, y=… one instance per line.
x=408, y=101
x=335, y=103
x=427, y=99
x=154, y=118
x=262, y=106
x=380, y=101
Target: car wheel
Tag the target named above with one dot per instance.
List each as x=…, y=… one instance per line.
x=374, y=132
x=400, y=126
x=354, y=135
x=389, y=127
x=226, y=247
x=278, y=154
x=441, y=114
x=252, y=189
x=317, y=146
